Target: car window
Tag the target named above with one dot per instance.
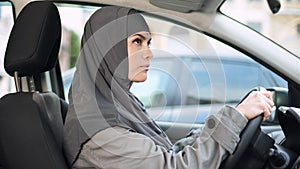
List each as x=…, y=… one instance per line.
x=155, y=91
x=156, y=94
x=72, y=30
x=6, y=23
x=241, y=75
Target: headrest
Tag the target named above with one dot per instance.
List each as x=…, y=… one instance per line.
x=34, y=41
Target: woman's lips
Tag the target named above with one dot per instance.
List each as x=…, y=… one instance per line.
x=146, y=67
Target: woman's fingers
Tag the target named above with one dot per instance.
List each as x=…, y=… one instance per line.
x=268, y=98
x=266, y=113
x=269, y=104
x=256, y=103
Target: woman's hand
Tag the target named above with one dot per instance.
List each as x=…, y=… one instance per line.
x=256, y=103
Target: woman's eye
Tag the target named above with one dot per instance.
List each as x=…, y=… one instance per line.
x=137, y=41
x=149, y=43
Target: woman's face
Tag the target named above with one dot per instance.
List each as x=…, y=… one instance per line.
x=139, y=55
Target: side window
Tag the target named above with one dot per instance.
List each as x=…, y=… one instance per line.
x=6, y=23
x=241, y=76
x=192, y=75
x=156, y=94
x=159, y=85
x=73, y=18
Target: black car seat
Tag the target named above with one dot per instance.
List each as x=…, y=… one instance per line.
x=31, y=125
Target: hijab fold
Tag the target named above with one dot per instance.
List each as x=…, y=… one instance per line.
x=99, y=96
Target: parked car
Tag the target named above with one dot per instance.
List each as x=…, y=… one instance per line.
x=195, y=35
x=182, y=90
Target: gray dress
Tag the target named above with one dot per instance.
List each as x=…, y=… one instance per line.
x=117, y=147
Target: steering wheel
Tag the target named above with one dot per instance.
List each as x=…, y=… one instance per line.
x=246, y=136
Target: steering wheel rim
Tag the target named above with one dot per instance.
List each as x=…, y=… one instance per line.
x=246, y=136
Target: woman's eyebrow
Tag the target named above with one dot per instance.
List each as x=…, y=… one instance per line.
x=142, y=36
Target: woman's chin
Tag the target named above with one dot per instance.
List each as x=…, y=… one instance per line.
x=139, y=78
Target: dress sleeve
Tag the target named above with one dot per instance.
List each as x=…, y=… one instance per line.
x=118, y=147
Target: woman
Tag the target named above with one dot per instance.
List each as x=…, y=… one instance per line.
x=108, y=127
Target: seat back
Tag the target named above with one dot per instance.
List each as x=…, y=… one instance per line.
x=31, y=124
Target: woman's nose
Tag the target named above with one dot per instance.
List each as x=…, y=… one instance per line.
x=148, y=53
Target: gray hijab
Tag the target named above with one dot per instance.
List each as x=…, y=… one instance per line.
x=99, y=96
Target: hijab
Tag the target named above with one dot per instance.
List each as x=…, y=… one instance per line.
x=100, y=95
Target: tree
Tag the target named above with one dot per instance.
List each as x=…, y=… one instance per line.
x=74, y=48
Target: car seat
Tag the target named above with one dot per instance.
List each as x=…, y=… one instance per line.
x=31, y=123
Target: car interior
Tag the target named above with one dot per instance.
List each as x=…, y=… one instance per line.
x=32, y=118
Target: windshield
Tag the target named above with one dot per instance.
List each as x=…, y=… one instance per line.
x=282, y=27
